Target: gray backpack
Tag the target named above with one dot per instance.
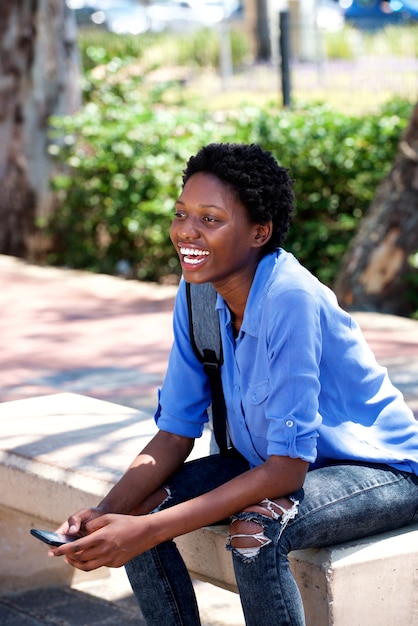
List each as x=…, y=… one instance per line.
x=205, y=336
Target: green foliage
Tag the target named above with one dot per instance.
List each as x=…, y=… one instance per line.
x=337, y=162
x=98, y=46
x=391, y=41
x=119, y=165
x=200, y=48
x=121, y=160
x=341, y=44
x=400, y=41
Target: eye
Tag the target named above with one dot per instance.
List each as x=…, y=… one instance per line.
x=179, y=214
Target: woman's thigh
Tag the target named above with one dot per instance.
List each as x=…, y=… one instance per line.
x=200, y=476
x=348, y=501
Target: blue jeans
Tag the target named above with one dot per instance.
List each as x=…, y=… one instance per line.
x=338, y=503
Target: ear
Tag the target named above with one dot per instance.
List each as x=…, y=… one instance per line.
x=263, y=233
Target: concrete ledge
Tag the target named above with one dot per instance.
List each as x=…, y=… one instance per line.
x=371, y=582
x=63, y=452
x=58, y=454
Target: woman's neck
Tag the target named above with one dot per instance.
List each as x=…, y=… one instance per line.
x=236, y=323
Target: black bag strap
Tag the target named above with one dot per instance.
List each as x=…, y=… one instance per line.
x=205, y=336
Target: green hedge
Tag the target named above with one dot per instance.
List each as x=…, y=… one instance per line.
x=120, y=162
x=337, y=162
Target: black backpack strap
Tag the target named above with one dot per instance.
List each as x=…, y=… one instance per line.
x=205, y=336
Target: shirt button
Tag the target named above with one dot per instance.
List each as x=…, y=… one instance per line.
x=289, y=423
x=236, y=388
x=254, y=397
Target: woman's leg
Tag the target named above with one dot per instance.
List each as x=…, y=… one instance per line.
x=339, y=503
x=162, y=586
x=159, y=577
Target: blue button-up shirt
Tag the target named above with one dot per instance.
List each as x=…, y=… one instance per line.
x=299, y=380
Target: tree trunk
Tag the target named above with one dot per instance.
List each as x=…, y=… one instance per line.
x=38, y=78
x=376, y=268
x=262, y=29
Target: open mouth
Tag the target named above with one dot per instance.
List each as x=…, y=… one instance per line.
x=193, y=256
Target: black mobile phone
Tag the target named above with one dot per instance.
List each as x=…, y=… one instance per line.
x=52, y=539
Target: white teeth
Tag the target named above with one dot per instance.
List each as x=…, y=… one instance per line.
x=188, y=253
x=191, y=261
x=193, y=252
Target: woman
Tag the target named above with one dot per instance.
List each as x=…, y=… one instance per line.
x=325, y=447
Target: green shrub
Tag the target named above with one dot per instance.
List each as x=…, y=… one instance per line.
x=337, y=161
x=99, y=46
x=120, y=162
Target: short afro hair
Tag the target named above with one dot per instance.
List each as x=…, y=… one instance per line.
x=259, y=182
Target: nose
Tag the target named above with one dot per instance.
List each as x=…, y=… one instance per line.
x=188, y=229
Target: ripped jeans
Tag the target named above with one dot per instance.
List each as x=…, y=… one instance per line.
x=338, y=503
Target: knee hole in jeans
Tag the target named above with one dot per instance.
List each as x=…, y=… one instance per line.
x=246, y=532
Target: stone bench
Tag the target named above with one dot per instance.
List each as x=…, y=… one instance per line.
x=62, y=452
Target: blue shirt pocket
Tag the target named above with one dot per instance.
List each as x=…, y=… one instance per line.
x=258, y=393
x=255, y=408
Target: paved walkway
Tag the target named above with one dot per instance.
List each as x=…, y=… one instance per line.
x=108, y=338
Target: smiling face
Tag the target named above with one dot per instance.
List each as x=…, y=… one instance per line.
x=213, y=235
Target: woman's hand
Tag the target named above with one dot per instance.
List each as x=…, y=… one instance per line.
x=76, y=523
x=112, y=540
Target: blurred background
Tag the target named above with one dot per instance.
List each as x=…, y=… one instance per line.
x=103, y=101
x=316, y=31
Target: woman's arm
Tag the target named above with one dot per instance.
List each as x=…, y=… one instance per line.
x=115, y=539
x=139, y=490
x=277, y=477
x=134, y=492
